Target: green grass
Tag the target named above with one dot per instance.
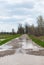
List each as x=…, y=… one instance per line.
x=41, y=38
x=36, y=40
x=8, y=38
x=3, y=36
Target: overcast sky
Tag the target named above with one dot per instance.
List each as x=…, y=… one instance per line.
x=13, y=12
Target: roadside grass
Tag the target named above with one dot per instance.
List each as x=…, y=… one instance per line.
x=37, y=40
x=41, y=38
x=8, y=38
x=3, y=36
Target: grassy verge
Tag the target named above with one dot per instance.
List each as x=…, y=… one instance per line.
x=36, y=40
x=41, y=38
x=9, y=38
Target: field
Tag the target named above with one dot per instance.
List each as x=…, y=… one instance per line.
x=38, y=40
x=7, y=37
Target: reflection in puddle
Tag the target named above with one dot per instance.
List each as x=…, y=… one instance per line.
x=5, y=47
x=23, y=45
x=19, y=58
x=26, y=44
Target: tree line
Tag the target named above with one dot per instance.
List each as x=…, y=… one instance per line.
x=34, y=30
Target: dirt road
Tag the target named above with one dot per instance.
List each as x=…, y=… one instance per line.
x=21, y=51
x=21, y=45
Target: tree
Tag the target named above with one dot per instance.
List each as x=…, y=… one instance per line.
x=26, y=28
x=13, y=31
x=32, y=29
x=20, y=29
x=40, y=24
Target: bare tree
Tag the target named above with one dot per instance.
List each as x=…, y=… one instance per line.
x=13, y=31
x=40, y=24
x=20, y=29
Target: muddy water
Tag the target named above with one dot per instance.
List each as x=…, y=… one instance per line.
x=20, y=57
x=5, y=47
x=26, y=45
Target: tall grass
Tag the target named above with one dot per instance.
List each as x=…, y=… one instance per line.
x=9, y=38
x=36, y=40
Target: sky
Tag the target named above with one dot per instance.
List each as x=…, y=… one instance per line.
x=15, y=12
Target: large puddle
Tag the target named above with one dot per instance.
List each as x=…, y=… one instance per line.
x=19, y=58
x=5, y=47
x=26, y=45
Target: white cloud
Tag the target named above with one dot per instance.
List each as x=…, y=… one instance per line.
x=10, y=10
x=39, y=7
x=27, y=20
x=7, y=27
x=4, y=17
x=14, y=1
x=15, y=16
x=9, y=17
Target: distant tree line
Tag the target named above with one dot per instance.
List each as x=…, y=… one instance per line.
x=30, y=29
x=12, y=32
x=34, y=30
